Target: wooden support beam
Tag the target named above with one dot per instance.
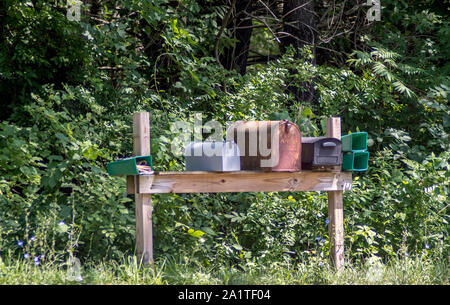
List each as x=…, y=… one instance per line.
x=336, y=228
x=243, y=181
x=130, y=185
x=335, y=207
x=144, y=225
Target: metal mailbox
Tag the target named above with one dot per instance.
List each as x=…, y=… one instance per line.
x=321, y=152
x=267, y=145
x=128, y=166
x=212, y=156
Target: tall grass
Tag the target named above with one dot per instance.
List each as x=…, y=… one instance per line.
x=128, y=271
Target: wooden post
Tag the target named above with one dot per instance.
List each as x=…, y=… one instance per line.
x=243, y=181
x=144, y=226
x=335, y=208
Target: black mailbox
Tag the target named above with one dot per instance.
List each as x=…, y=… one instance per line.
x=321, y=152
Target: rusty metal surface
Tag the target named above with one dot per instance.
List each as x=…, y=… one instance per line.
x=267, y=145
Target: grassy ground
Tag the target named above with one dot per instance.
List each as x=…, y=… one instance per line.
x=170, y=272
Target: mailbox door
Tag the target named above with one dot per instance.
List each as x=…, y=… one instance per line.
x=290, y=146
x=327, y=152
x=258, y=150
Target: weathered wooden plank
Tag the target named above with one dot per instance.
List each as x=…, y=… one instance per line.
x=336, y=228
x=243, y=181
x=130, y=185
x=143, y=202
x=141, y=133
x=335, y=207
x=144, y=228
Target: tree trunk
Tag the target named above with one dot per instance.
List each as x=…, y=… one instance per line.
x=240, y=25
x=300, y=27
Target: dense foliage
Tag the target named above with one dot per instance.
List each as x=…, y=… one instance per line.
x=68, y=90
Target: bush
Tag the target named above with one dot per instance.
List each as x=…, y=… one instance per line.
x=69, y=114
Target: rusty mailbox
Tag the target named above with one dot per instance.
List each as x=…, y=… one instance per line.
x=267, y=145
x=321, y=152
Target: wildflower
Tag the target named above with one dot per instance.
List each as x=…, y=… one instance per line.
x=26, y=255
x=61, y=223
x=427, y=246
x=320, y=240
x=20, y=243
x=36, y=260
x=32, y=238
x=327, y=221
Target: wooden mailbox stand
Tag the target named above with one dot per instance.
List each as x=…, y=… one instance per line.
x=334, y=182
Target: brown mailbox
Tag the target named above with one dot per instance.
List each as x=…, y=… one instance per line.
x=267, y=145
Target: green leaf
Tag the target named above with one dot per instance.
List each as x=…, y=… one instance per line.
x=196, y=234
x=62, y=227
x=401, y=216
x=237, y=247
x=66, y=211
x=209, y=231
x=173, y=25
x=446, y=120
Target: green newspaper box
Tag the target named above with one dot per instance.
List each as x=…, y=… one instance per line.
x=354, y=142
x=357, y=161
x=128, y=166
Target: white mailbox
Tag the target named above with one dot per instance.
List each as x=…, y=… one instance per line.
x=212, y=156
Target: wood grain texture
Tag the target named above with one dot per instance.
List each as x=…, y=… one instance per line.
x=335, y=207
x=141, y=134
x=143, y=202
x=130, y=185
x=243, y=181
x=336, y=228
x=333, y=128
x=144, y=227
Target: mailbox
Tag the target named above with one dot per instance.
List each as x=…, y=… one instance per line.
x=321, y=152
x=356, y=141
x=357, y=161
x=129, y=166
x=212, y=156
x=267, y=145
x=356, y=156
